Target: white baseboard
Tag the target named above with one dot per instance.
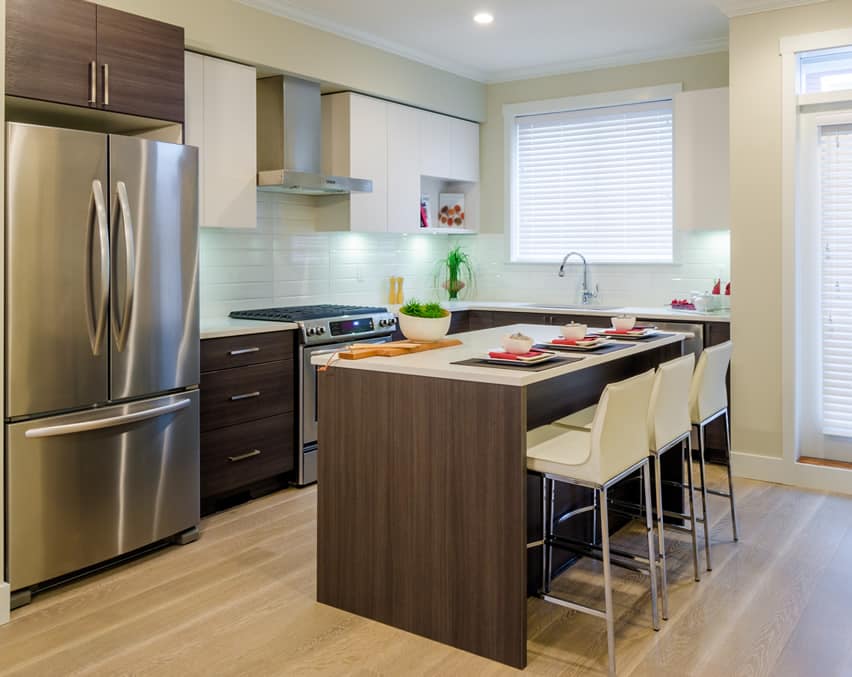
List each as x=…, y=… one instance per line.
x=781, y=471
x=5, y=592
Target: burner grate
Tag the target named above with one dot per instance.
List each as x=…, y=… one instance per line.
x=302, y=313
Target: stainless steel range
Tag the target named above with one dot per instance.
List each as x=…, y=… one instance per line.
x=323, y=329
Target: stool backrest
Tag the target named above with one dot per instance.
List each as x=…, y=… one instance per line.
x=620, y=427
x=668, y=415
x=709, y=393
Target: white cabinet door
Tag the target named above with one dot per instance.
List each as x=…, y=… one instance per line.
x=193, y=129
x=435, y=145
x=221, y=120
x=464, y=150
x=702, y=160
x=368, y=159
x=403, y=169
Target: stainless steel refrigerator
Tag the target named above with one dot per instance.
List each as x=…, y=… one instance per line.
x=102, y=348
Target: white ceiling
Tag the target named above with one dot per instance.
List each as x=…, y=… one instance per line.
x=528, y=37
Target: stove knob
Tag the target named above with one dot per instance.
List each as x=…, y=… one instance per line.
x=321, y=331
x=383, y=323
x=311, y=331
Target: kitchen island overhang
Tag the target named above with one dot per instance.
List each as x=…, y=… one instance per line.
x=425, y=506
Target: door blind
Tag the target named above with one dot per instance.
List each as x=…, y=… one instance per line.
x=836, y=283
x=598, y=181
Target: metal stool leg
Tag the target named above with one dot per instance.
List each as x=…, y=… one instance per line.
x=703, y=474
x=661, y=538
x=730, y=475
x=607, y=572
x=551, y=516
x=652, y=557
x=691, y=482
x=545, y=537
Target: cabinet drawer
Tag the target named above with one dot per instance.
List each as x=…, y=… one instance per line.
x=242, y=454
x=237, y=395
x=238, y=351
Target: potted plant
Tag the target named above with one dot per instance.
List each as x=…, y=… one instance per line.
x=455, y=271
x=424, y=321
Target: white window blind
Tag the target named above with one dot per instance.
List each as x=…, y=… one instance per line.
x=836, y=248
x=827, y=70
x=598, y=181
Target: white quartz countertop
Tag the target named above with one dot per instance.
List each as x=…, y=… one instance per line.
x=439, y=363
x=219, y=327
x=651, y=312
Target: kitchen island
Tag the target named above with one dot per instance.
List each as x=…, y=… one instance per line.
x=425, y=506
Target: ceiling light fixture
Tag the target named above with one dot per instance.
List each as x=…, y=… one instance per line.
x=483, y=18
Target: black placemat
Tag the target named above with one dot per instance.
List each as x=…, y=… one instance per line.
x=559, y=361
x=603, y=350
x=647, y=339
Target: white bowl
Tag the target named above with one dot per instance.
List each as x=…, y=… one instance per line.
x=574, y=331
x=424, y=328
x=516, y=346
x=623, y=323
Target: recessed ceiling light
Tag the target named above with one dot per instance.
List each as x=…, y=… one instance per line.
x=483, y=18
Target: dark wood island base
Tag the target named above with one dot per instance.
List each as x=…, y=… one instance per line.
x=425, y=505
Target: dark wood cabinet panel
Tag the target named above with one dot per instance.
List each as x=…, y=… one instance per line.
x=241, y=351
x=144, y=59
x=240, y=455
x=460, y=322
x=480, y=319
x=50, y=47
x=249, y=393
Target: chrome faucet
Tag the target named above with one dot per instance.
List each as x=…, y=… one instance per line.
x=588, y=294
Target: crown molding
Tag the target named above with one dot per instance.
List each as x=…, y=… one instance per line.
x=285, y=10
x=616, y=60
x=732, y=8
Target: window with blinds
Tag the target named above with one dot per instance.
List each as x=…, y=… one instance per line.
x=836, y=283
x=826, y=70
x=598, y=181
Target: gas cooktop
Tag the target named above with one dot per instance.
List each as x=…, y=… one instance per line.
x=325, y=323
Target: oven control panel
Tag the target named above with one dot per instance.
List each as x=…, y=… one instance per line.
x=334, y=330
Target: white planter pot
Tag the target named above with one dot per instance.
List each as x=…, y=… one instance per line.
x=424, y=328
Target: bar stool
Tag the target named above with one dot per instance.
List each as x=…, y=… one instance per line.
x=708, y=401
x=615, y=446
x=669, y=427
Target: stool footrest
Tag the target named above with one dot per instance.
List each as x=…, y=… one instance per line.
x=620, y=558
x=573, y=605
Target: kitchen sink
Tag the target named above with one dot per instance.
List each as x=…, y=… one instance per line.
x=556, y=306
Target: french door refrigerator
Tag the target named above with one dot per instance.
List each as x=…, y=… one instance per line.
x=102, y=348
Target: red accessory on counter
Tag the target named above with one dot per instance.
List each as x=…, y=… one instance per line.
x=717, y=288
x=728, y=289
x=513, y=356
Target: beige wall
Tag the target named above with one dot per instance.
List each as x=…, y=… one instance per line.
x=756, y=263
x=4, y=590
x=235, y=31
x=697, y=72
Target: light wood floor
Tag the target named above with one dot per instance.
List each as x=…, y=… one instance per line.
x=241, y=602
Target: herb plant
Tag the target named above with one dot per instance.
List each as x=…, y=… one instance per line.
x=428, y=310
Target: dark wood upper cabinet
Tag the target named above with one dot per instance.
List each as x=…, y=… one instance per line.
x=51, y=48
x=75, y=52
x=141, y=65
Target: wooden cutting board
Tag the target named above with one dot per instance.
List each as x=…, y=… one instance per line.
x=359, y=351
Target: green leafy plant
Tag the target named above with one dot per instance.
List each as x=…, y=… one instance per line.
x=455, y=271
x=428, y=310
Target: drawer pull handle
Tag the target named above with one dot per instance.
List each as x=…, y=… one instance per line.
x=245, y=396
x=243, y=457
x=243, y=351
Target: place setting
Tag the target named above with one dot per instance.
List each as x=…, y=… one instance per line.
x=625, y=328
x=577, y=338
x=517, y=351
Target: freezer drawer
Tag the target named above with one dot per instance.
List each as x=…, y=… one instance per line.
x=86, y=487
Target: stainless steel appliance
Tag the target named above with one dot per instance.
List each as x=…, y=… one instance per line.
x=323, y=329
x=102, y=348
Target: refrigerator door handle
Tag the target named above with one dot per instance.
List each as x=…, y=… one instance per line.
x=124, y=215
x=108, y=422
x=98, y=316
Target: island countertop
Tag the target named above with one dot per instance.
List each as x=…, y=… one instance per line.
x=440, y=363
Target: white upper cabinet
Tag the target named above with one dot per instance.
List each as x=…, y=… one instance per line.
x=436, y=141
x=464, y=150
x=221, y=120
x=355, y=144
x=403, y=169
x=702, y=160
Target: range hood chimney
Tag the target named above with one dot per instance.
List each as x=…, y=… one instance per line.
x=289, y=124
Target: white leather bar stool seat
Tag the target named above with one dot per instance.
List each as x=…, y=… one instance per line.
x=615, y=446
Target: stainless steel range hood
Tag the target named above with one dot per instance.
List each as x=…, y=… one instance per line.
x=289, y=125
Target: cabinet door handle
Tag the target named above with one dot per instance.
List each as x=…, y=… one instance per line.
x=243, y=457
x=106, y=84
x=243, y=351
x=93, y=82
x=245, y=396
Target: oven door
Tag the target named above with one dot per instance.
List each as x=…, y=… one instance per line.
x=307, y=449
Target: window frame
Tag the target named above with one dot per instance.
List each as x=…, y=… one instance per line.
x=511, y=112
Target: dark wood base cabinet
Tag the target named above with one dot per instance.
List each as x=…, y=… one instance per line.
x=248, y=433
